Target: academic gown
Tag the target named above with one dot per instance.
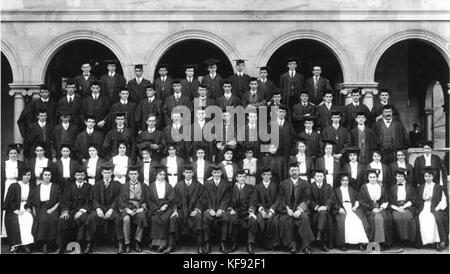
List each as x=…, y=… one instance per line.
x=266, y=88
x=72, y=200
x=98, y=168
x=170, y=103
x=156, y=137
x=163, y=89
x=322, y=220
x=350, y=111
x=35, y=135
x=45, y=226
x=112, y=88
x=239, y=84
x=198, y=138
x=144, y=108
x=83, y=85
x=277, y=165
x=243, y=202
x=60, y=136
x=30, y=112
x=217, y=197
x=180, y=167
x=410, y=174
x=118, y=107
x=385, y=180
x=320, y=164
x=371, y=143
x=286, y=138
x=13, y=202
x=152, y=170
x=324, y=115
x=340, y=236
x=59, y=169
x=255, y=101
x=190, y=198
x=182, y=146
x=295, y=197
x=309, y=162
x=137, y=91
x=73, y=107
x=341, y=136
x=267, y=199
x=224, y=173
x=97, y=108
x=4, y=185
x=355, y=183
x=437, y=164
x=312, y=143
x=113, y=137
x=32, y=165
x=367, y=205
x=206, y=170
x=299, y=112
x=160, y=221
x=377, y=110
x=190, y=89
x=404, y=223
x=82, y=142
x=214, y=85
x=105, y=198
x=291, y=87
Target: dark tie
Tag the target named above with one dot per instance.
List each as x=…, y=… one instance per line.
x=70, y=99
x=400, y=184
x=44, y=134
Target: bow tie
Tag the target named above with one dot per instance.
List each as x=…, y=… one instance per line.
x=146, y=162
x=228, y=162
x=86, y=74
x=400, y=184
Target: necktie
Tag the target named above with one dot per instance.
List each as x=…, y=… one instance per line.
x=163, y=80
x=292, y=74
x=70, y=99
x=139, y=81
x=79, y=186
x=400, y=184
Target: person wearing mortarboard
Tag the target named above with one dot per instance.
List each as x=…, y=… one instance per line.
x=137, y=85
x=291, y=82
x=112, y=82
x=177, y=99
x=213, y=80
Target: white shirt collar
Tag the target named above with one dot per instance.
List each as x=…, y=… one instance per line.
x=45, y=100
x=123, y=101
x=111, y=74
x=89, y=131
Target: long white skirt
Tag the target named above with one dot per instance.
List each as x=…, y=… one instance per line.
x=25, y=226
x=354, y=229
x=428, y=228
x=8, y=183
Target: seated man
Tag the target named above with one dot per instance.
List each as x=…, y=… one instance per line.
x=266, y=203
x=132, y=206
x=216, y=218
x=104, y=214
x=322, y=201
x=74, y=209
x=242, y=212
x=189, y=210
x=295, y=197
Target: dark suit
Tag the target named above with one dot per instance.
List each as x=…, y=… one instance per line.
x=163, y=89
x=239, y=84
x=267, y=199
x=118, y=107
x=277, y=165
x=198, y=137
x=214, y=85
x=82, y=142
x=266, y=89
x=350, y=111
x=73, y=107
x=83, y=85
x=287, y=139
x=291, y=87
x=113, y=137
x=156, y=137
x=170, y=103
x=299, y=112
x=400, y=139
x=321, y=221
x=197, y=102
x=190, y=89
x=295, y=197
x=30, y=112
x=316, y=92
x=243, y=202
x=111, y=86
x=60, y=136
x=35, y=135
x=437, y=164
x=369, y=143
x=217, y=197
x=257, y=100
x=312, y=143
x=144, y=108
x=98, y=108
x=341, y=136
x=324, y=115
x=137, y=91
x=223, y=102
x=181, y=146
x=152, y=171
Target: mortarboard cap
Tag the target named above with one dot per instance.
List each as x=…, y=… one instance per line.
x=211, y=61
x=240, y=61
x=107, y=166
x=427, y=143
x=356, y=90
x=267, y=68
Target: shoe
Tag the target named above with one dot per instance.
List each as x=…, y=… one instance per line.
x=14, y=249
x=127, y=248
x=120, y=249
x=138, y=247
x=199, y=249
x=26, y=249
x=161, y=249
x=45, y=249
x=293, y=249
x=60, y=251
x=362, y=248
x=438, y=247
x=319, y=236
x=169, y=249
x=307, y=250
x=222, y=248
x=325, y=248
x=233, y=248
x=250, y=249
x=207, y=248
x=88, y=248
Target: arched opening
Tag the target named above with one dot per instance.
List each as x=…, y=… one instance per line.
x=410, y=68
x=194, y=51
x=66, y=63
x=311, y=53
x=7, y=106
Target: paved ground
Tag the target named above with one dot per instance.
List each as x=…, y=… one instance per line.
x=242, y=250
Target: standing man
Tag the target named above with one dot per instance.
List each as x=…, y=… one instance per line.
x=350, y=110
x=174, y=100
x=163, y=83
x=291, y=83
x=123, y=106
x=119, y=133
x=190, y=84
x=213, y=80
x=201, y=98
x=324, y=110
x=377, y=110
x=311, y=137
x=137, y=86
x=112, y=82
x=154, y=137
x=63, y=133
x=74, y=210
x=391, y=134
x=89, y=136
x=239, y=80
x=266, y=86
x=316, y=86
x=253, y=97
x=150, y=105
x=85, y=79
x=364, y=138
x=38, y=132
x=301, y=110
x=286, y=133
x=227, y=99
x=71, y=102
x=338, y=134
x=96, y=105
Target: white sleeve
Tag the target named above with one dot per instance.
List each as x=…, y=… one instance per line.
x=443, y=203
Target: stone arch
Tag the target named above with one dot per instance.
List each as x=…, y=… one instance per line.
x=161, y=48
x=345, y=60
x=46, y=54
x=14, y=61
x=438, y=42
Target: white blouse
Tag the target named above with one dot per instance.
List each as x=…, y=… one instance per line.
x=250, y=165
x=329, y=164
x=345, y=194
x=172, y=167
x=374, y=191
x=378, y=166
x=11, y=169
x=40, y=164
x=120, y=165
x=45, y=192
x=147, y=173
x=91, y=166
x=200, y=170
x=354, y=169
x=401, y=193
x=66, y=167
x=301, y=159
x=160, y=189
x=25, y=191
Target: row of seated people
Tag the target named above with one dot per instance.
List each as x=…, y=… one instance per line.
x=292, y=213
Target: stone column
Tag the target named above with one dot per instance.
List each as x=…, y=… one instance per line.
x=19, y=104
x=368, y=94
x=429, y=123
x=368, y=91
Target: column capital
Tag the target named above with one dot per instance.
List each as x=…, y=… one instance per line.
x=25, y=89
x=367, y=87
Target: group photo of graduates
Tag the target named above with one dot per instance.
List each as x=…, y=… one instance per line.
x=102, y=166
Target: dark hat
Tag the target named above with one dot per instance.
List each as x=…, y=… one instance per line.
x=240, y=61
x=216, y=167
x=111, y=62
x=80, y=169
x=427, y=143
x=166, y=66
x=211, y=61
x=253, y=79
x=266, y=169
x=192, y=66
x=335, y=112
x=188, y=167
x=353, y=150
x=264, y=68
x=66, y=146
x=276, y=91
x=107, y=166
x=23, y=170
x=240, y=171
x=133, y=168
x=292, y=59
x=139, y=66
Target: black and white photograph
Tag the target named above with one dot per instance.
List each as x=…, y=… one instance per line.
x=234, y=127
